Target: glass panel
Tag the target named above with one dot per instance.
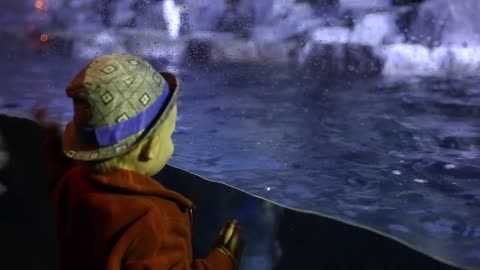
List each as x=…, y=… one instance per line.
x=364, y=111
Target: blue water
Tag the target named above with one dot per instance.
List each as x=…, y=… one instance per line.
x=398, y=155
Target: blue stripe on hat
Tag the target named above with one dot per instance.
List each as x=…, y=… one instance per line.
x=110, y=135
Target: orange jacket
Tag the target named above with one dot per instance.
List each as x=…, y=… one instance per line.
x=124, y=221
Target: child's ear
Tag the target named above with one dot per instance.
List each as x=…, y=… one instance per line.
x=148, y=149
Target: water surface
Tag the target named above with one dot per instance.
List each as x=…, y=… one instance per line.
x=397, y=155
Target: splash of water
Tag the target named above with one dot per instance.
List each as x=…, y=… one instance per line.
x=172, y=15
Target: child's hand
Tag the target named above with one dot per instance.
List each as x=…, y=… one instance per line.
x=229, y=241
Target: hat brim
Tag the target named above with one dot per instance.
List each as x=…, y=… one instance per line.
x=75, y=149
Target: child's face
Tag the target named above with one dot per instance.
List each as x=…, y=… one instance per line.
x=164, y=144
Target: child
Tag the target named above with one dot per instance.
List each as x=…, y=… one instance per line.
x=110, y=213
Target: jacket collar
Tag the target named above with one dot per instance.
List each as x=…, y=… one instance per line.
x=133, y=182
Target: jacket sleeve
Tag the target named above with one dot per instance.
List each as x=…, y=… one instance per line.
x=166, y=245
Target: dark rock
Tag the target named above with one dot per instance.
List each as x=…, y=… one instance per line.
x=298, y=20
x=198, y=50
x=220, y=47
x=406, y=2
x=340, y=59
x=265, y=12
x=205, y=15
x=155, y=45
x=446, y=22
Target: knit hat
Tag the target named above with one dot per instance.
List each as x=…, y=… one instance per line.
x=118, y=99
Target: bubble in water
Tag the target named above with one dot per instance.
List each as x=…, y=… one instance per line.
x=449, y=166
x=397, y=172
x=420, y=180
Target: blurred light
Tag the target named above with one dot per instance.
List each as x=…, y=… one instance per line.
x=43, y=37
x=40, y=5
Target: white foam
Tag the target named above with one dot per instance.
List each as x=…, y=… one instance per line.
x=449, y=166
x=397, y=172
x=331, y=35
x=411, y=59
x=172, y=16
x=422, y=181
x=376, y=29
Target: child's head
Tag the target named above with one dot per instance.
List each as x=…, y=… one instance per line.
x=124, y=115
x=149, y=156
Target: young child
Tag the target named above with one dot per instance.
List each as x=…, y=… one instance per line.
x=110, y=213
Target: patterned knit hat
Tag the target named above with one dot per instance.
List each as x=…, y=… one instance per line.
x=118, y=99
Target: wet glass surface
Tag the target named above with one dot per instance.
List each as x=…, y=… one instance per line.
x=400, y=156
